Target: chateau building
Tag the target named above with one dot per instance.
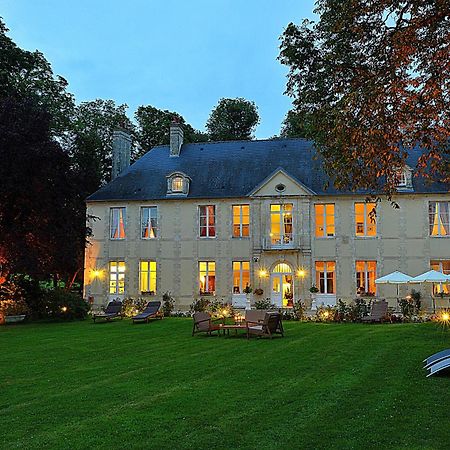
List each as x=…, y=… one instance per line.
x=209, y=219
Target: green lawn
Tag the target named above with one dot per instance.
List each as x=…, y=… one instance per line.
x=118, y=385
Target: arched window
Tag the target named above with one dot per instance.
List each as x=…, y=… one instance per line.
x=177, y=184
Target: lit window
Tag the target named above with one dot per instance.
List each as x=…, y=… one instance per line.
x=444, y=267
x=365, y=277
x=207, y=277
x=207, y=221
x=241, y=220
x=324, y=220
x=177, y=184
x=117, y=277
x=149, y=222
x=147, y=276
x=438, y=213
x=365, y=223
x=117, y=223
x=241, y=276
x=326, y=277
x=281, y=224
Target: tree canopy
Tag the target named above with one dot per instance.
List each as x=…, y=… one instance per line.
x=233, y=119
x=371, y=80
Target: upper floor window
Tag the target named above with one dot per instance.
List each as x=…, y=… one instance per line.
x=365, y=222
x=401, y=178
x=241, y=220
x=241, y=276
x=281, y=224
x=149, y=222
x=326, y=277
x=324, y=215
x=147, y=276
x=207, y=277
x=117, y=277
x=117, y=223
x=365, y=277
x=178, y=184
x=438, y=213
x=207, y=222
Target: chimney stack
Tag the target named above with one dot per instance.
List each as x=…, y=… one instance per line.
x=121, y=147
x=176, y=138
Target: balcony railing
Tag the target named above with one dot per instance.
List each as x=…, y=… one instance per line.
x=285, y=242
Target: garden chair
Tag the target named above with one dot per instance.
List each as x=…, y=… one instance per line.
x=271, y=325
x=378, y=312
x=437, y=367
x=437, y=357
x=255, y=315
x=112, y=311
x=203, y=323
x=151, y=311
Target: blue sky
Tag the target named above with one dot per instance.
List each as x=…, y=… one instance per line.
x=173, y=54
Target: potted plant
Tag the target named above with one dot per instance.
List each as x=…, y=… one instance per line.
x=258, y=291
x=313, y=290
x=289, y=296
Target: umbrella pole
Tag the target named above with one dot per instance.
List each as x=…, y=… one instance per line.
x=398, y=297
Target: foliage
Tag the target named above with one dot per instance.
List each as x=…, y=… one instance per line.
x=370, y=80
x=326, y=314
x=259, y=291
x=294, y=125
x=248, y=289
x=168, y=304
x=299, y=310
x=233, y=119
x=199, y=305
x=132, y=306
x=60, y=304
x=313, y=289
x=352, y=312
x=154, y=125
x=12, y=301
x=264, y=304
x=410, y=306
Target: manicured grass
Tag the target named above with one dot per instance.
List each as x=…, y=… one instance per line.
x=118, y=385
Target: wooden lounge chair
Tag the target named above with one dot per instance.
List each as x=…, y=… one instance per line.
x=255, y=315
x=271, y=325
x=112, y=311
x=433, y=359
x=437, y=367
x=203, y=323
x=151, y=311
x=378, y=312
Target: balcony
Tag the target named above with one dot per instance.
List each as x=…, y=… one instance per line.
x=293, y=242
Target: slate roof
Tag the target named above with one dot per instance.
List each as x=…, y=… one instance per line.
x=230, y=169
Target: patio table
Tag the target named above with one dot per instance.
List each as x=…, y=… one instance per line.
x=235, y=327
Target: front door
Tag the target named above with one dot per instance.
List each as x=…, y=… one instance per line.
x=282, y=286
x=277, y=292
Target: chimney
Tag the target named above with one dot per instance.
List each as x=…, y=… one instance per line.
x=176, y=138
x=121, y=148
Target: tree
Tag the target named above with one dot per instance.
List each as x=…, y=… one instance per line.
x=42, y=216
x=371, y=79
x=91, y=140
x=233, y=119
x=30, y=74
x=153, y=128
x=294, y=125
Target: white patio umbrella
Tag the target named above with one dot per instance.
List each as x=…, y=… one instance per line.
x=397, y=278
x=432, y=276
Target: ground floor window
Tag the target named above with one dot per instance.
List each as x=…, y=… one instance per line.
x=241, y=276
x=444, y=267
x=117, y=277
x=365, y=277
x=326, y=277
x=207, y=277
x=147, y=277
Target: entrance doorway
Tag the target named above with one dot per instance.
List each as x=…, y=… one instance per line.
x=281, y=281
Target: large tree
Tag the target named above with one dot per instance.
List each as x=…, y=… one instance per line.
x=233, y=119
x=153, y=126
x=372, y=79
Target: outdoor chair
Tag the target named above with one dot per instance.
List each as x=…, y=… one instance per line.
x=203, y=323
x=437, y=357
x=378, y=312
x=270, y=325
x=437, y=367
x=112, y=311
x=255, y=315
x=151, y=311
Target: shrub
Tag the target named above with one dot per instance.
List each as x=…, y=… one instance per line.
x=168, y=304
x=131, y=306
x=12, y=301
x=326, y=314
x=60, y=304
x=199, y=305
x=264, y=304
x=299, y=311
x=259, y=291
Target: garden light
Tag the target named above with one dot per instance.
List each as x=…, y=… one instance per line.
x=301, y=273
x=64, y=309
x=263, y=273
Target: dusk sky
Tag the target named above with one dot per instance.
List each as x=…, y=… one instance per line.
x=178, y=55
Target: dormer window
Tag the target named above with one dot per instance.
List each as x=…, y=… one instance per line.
x=403, y=179
x=178, y=184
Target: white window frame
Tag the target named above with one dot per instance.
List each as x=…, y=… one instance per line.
x=241, y=278
x=177, y=184
x=149, y=222
x=149, y=273
x=282, y=237
x=112, y=211
x=207, y=217
x=366, y=274
x=325, y=231
x=241, y=224
x=325, y=272
x=440, y=223
x=207, y=275
x=116, y=277
x=366, y=223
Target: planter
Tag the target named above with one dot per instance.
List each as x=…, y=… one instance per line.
x=313, y=302
x=248, y=301
x=15, y=319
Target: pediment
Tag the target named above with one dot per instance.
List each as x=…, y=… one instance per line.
x=273, y=184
